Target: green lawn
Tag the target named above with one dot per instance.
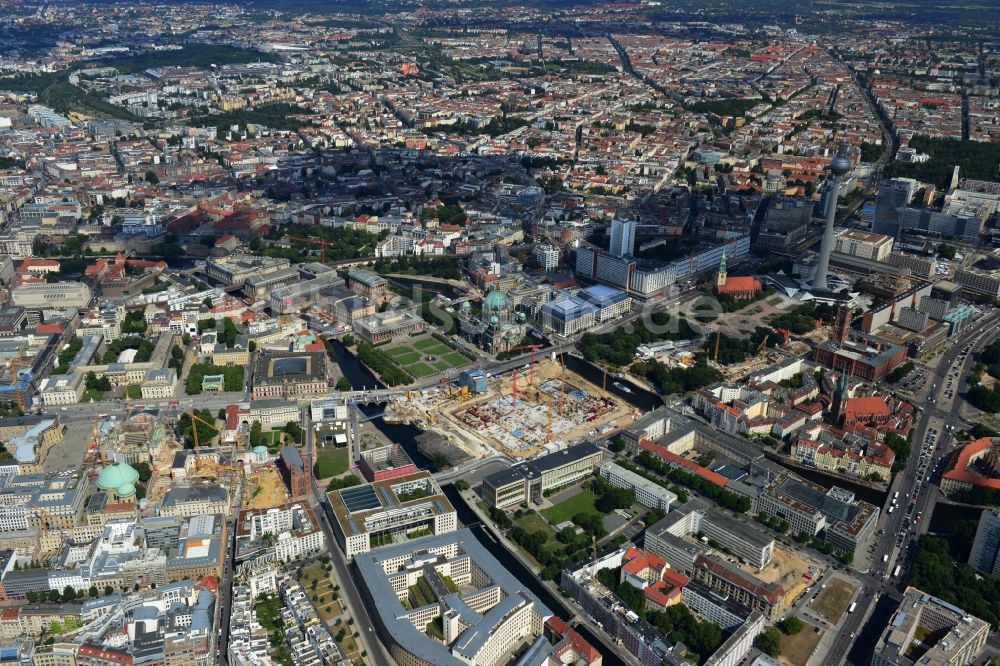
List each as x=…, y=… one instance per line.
x=331, y=461
x=532, y=522
x=454, y=358
x=582, y=502
x=408, y=358
x=92, y=394
x=426, y=344
x=420, y=370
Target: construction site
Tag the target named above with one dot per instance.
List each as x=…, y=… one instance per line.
x=789, y=569
x=535, y=409
x=143, y=436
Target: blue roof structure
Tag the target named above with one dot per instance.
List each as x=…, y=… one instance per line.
x=568, y=308
x=602, y=295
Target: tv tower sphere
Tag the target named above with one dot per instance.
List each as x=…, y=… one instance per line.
x=840, y=164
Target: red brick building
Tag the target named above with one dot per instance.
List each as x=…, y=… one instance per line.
x=297, y=468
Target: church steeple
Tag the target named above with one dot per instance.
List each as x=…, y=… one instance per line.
x=720, y=281
x=840, y=394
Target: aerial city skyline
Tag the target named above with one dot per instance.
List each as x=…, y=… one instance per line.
x=451, y=333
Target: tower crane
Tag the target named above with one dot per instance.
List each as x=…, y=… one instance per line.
x=313, y=241
x=195, y=419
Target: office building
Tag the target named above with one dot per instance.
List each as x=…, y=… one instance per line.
x=928, y=631
x=863, y=244
x=547, y=256
x=293, y=530
x=648, y=493
x=444, y=600
x=195, y=500
x=622, y=237
x=963, y=226
x=377, y=514
x=912, y=264
x=568, y=315
x=979, y=281
x=785, y=223
x=611, y=303
x=864, y=356
x=893, y=196
x=746, y=542
x=846, y=523
x=727, y=579
x=986, y=546
x=527, y=481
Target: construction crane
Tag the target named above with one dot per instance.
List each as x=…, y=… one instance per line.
x=562, y=384
x=715, y=356
x=195, y=419
x=95, y=435
x=531, y=366
x=313, y=241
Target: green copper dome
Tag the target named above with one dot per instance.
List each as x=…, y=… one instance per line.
x=116, y=475
x=260, y=450
x=125, y=490
x=495, y=300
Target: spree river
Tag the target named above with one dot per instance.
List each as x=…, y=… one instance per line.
x=405, y=436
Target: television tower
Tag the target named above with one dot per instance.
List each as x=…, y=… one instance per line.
x=838, y=167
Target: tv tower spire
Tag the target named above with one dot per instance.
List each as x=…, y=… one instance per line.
x=839, y=167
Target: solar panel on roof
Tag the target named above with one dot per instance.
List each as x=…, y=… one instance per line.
x=360, y=499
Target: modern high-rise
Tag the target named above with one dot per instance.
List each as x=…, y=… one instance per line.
x=892, y=196
x=983, y=556
x=622, y=237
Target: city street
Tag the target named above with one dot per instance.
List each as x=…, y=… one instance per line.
x=879, y=579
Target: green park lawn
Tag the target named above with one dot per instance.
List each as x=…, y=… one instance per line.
x=582, y=502
x=331, y=461
x=413, y=357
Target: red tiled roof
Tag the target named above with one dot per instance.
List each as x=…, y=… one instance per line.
x=741, y=283
x=680, y=461
x=959, y=471
x=867, y=406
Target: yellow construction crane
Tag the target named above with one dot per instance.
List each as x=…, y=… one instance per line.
x=718, y=338
x=195, y=419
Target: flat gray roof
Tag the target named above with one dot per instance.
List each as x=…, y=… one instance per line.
x=395, y=617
